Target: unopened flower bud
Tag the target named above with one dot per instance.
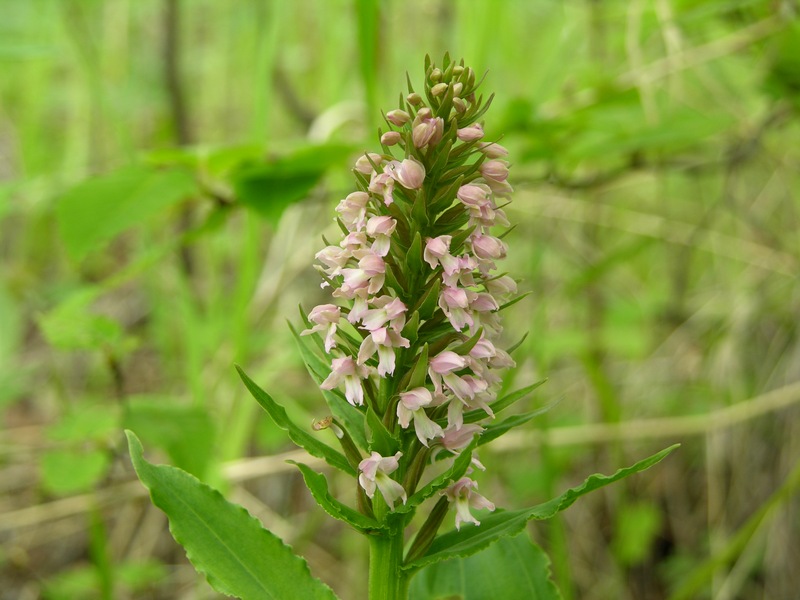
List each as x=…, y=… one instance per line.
x=439, y=88
x=398, y=117
x=363, y=164
x=457, y=70
x=390, y=138
x=492, y=149
x=436, y=75
x=457, y=87
x=461, y=106
x=471, y=133
x=496, y=170
x=414, y=98
x=410, y=173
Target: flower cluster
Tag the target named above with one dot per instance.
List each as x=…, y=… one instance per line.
x=413, y=334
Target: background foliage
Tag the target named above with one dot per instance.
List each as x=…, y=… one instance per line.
x=167, y=169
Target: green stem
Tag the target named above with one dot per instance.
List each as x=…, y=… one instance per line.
x=386, y=580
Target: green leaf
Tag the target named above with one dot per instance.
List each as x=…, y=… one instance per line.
x=222, y=540
x=270, y=187
x=303, y=439
x=347, y=414
x=512, y=569
x=318, y=486
x=379, y=438
x=495, y=430
x=502, y=403
x=70, y=471
x=500, y=524
x=95, y=211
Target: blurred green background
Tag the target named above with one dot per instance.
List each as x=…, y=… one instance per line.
x=168, y=170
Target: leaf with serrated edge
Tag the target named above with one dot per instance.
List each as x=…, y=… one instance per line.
x=472, y=538
x=222, y=540
x=317, y=484
x=305, y=440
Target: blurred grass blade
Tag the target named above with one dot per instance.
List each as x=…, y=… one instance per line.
x=368, y=17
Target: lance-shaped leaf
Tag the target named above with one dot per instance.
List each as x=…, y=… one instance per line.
x=303, y=439
x=318, y=486
x=471, y=538
x=222, y=540
x=512, y=569
x=379, y=438
x=502, y=403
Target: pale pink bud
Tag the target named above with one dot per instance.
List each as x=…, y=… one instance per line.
x=363, y=164
x=460, y=105
x=471, y=133
x=457, y=88
x=500, y=188
x=398, y=117
x=488, y=247
x=492, y=149
x=496, y=170
x=410, y=173
x=501, y=286
x=438, y=88
x=475, y=195
x=427, y=132
x=390, y=138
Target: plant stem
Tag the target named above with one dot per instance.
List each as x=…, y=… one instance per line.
x=386, y=580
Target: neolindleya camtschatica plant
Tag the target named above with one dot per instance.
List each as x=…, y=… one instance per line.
x=407, y=354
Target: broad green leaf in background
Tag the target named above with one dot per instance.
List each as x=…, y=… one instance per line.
x=95, y=211
x=637, y=526
x=300, y=437
x=72, y=325
x=222, y=540
x=270, y=186
x=185, y=433
x=87, y=421
x=471, y=539
x=512, y=569
x=67, y=471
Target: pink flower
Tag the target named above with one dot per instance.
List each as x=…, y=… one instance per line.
x=380, y=228
x=412, y=405
x=326, y=317
x=471, y=133
x=353, y=210
x=437, y=251
x=374, y=472
x=463, y=494
x=410, y=173
x=383, y=341
x=501, y=286
x=334, y=258
x=454, y=302
x=346, y=370
x=382, y=184
x=456, y=439
x=387, y=310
